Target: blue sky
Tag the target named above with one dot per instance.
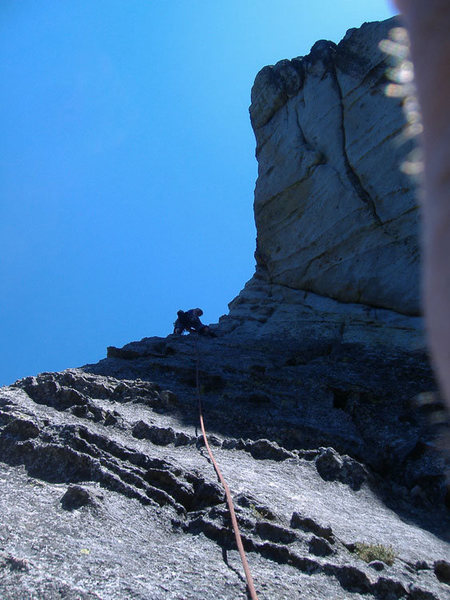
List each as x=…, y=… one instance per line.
x=127, y=162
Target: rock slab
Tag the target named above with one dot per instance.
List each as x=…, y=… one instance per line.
x=334, y=214
x=319, y=401
x=107, y=492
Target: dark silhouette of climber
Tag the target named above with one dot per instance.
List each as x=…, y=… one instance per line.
x=190, y=321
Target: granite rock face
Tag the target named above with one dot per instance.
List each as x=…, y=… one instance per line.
x=334, y=214
x=107, y=492
x=264, y=310
x=319, y=401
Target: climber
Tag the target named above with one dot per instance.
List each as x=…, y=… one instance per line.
x=190, y=321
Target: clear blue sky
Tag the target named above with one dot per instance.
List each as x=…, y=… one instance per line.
x=127, y=162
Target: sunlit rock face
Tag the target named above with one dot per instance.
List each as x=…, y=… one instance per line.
x=318, y=398
x=267, y=310
x=334, y=214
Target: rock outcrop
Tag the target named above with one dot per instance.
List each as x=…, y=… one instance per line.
x=337, y=221
x=338, y=482
x=319, y=401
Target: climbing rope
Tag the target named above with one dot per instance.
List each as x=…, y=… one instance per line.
x=237, y=534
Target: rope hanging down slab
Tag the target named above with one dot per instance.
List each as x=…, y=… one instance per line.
x=237, y=534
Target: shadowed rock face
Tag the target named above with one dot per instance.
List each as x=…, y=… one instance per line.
x=107, y=491
x=334, y=214
x=322, y=414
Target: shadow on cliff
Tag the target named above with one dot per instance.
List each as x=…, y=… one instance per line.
x=311, y=399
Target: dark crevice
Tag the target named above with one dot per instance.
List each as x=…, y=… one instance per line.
x=352, y=175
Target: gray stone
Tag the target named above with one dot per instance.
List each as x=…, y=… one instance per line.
x=263, y=309
x=306, y=390
x=329, y=464
x=442, y=571
x=300, y=522
x=75, y=497
x=320, y=547
x=162, y=505
x=337, y=221
x=334, y=215
x=377, y=565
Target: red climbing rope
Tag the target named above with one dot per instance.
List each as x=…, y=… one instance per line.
x=237, y=534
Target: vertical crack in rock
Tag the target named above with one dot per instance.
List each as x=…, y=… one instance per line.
x=330, y=217
x=338, y=477
x=352, y=175
x=306, y=143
